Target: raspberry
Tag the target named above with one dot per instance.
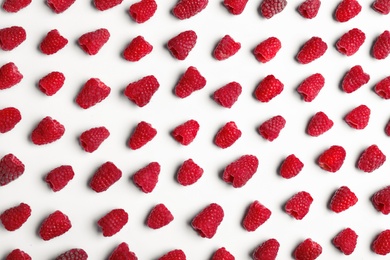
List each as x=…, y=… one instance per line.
x=105, y=177
x=9, y=75
x=141, y=91
x=291, y=167
x=381, y=200
x=235, y=7
x=14, y=6
x=122, y=251
x=313, y=49
x=222, y=254
x=13, y=218
x=142, y=134
x=270, y=129
x=332, y=159
x=381, y=6
x=268, y=88
x=185, y=9
x=381, y=244
x=298, y=205
x=382, y=88
x=147, y=177
x=159, y=217
x=176, y=254
x=311, y=87
x=103, y=5
x=51, y=83
x=309, y=8
x=267, y=49
x=181, y=45
x=227, y=95
x=73, y=254
x=227, y=135
x=137, y=49
x=59, y=177
x=11, y=168
x=307, y=250
x=94, y=91
x=92, y=42
x=269, y=8
x=350, y=42
x=18, y=254
x=358, y=117
x=256, y=216
x=56, y=224
x=189, y=173
x=268, y=250
x=143, y=10
x=371, y=159
x=319, y=124
x=381, y=47
x=346, y=241
x=52, y=42
x=91, y=139
x=59, y=6
x=9, y=118
x=11, y=37
x=346, y=10
x=189, y=82
x=47, y=131
x=226, y=48
x=342, y=199
x=239, y=172
x=113, y=222
x=387, y=128
x=206, y=222
x=186, y=132
x=354, y=79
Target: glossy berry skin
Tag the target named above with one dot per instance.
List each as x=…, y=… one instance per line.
x=319, y=124
x=350, y=42
x=227, y=95
x=159, y=217
x=311, y=87
x=227, y=135
x=346, y=10
x=371, y=159
x=342, y=199
x=52, y=42
x=256, y=216
x=186, y=132
x=18, y=254
x=269, y=8
x=226, y=48
x=113, y=222
x=354, y=79
x=146, y=178
x=14, y=6
x=51, y=83
x=268, y=250
x=189, y=173
x=122, y=251
x=387, y=128
x=267, y=49
x=185, y=9
x=73, y=254
x=240, y=171
x=9, y=118
x=176, y=254
x=291, y=167
x=142, y=134
x=381, y=6
x=47, y=131
x=381, y=47
x=92, y=42
x=12, y=37
x=358, y=117
x=298, y=205
x=103, y=5
x=191, y=81
x=222, y=254
x=271, y=128
x=93, y=92
x=143, y=10
x=91, y=139
x=381, y=200
x=140, y=92
x=181, y=45
x=312, y=50
x=56, y=224
x=9, y=75
x=307, y=250
x=346, y=241
x=235, y=7
x=309, y=8
x=11, y=168
x=137, y=49
x=59, y=6
x=382, y=88
x=59, y=177
x=381, y=244
x=268, y=89
x=106, y=176
x=332, y=158
x=13, y=218
x=206, y=222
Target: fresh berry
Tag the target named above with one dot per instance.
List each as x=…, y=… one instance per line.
x=381, y=47
x=113, y=222
x=189, y=82
x=176, y=254
x=269, y=8
x=226, y=48
x=206, y=222
x=59, y=6
x=73, y=254
x=146, y=178
x=268, y=250
x=271, y=128
x=143, y=10
x=59, y=177
x=309, y=8
x=222, y=254
x=307, y=250
x=13, y=218
x=227, y=95
x=142, y=134
x=291, y=167
x=268, y=88
x=239, y=172
x=189, y=173
x=51, y=83
x=319, y=124
x=105, y=177
x=52, y=42
x=371, y=159
x=267, y=49
x=9, y=118
x=298, y=205
x=14, y=6
x=186, y=132
x=181, y=45
x=311, y=87
x=387, y=128
x=94, y=91
x=346, y=241
x=311, y=50
x=256, y=216
x=332, y=159
x=18, y=254
x=47, y=131
x=350, y=42
x=11, y=37
x=381, y=244
x=9, y=75
x=122, y=251
x=381, y=200
x=235, y=7
x=354, y=79
x=185, y=9
x=92, y=42
x=358, y=117
x=342, y=199
x=381, y=6
x=137, y=49
x=91, y=139
x=11, y=168
x=382, y=88
x=141, y=91
x=346, y=10
x=103, y=5
x=56, y=224
x=227, y=135
x=159, y=217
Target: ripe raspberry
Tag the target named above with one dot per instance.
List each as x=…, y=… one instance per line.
x=142, y=134
x=18, y=254
x=73, y=254
x=186, y=132
x=267, y=49
x=9, y=75
x=159, y=217
x=189, y=82
x=59, y=177
x=309, y=8
x=226, y=48
x=381, y=244
x=103, y=5
x=354, y=79
x=13, y=218
x=332, y=159
x=350, y=42
x=307, y=250
x=311, y=87
x=342, y=199
x=222, y=254
x=113, y=222
x=59, y=6
x=94, y=91
x=256, y=216
x=189, y=173
x=14, y=6
x=269, y=8
x=56, y=224
x=207, y=221
x=270, y=129
x=268, y=250
x=9, y=118
x=346, y=241
x=381, y=47
x=141, y=91
x=185, y=9
x=227, y=135
x=227, y=95
x=91, y=139
x=122, y=251
x=92, y=42
x=313, y=49
x=298, y=206
x=358, y=117
x=137, y=49
x=143, y=10
x=381, y=200
x=147, y=177
x=268, y=88
x=181, y=45
x=47, y=131
x=176, y=254
x=382, y=88
x=52, y=42
x=11, y=37
x=11, y=168
x=105, y=177
x=381, y=6
x=346, y=10
x=235, y=7
x=291, y=167
x=51, y=83
x=387, y=128
x=371, y=159
x=239, y=172
x=319, y=124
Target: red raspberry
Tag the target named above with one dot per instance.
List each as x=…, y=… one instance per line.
x=206, y=222
x=103, y=5
x=186, y=132
x=143, y=10
x=227, y=135
x=226, y=48
x=268, y=250
x=382, y=88
x=311, y=87
x=9, y=75
x=332, y=159
x=137, y=49
x=309, y=8
x=59, y=6
x=381, y=6
x=185, y=9
x=354, y=79
x=18, y=254
x=189, y=173
x=51, y=83
x=269, y=8
x=350, y=42
x=267, y=49
x=381, y=244
x=313, y=49
x=53, y=42
x=122, y=251
x=298, y=205
x=13, y=218
x=176, y=254
x=268, y=88
x=346, y=10
x=94, y=91
x=270, y=129
x=319, y=124
x=105, y=177
x=73, y=254
x=14, y=6
x=92, y=42
x=307, y=250
x=358, y=117
x=11, y=37
x=381, y=47
x=11, y=168
x=239, y=172
x=189, y=82
x=291, y=167
x=381, y=200
x=91, y=139
x=387, y=128
x=235, y=7
x=59, y=177
x=56, y=224
x=346, y=241
x=47, y=131
x=222, y=254
x=113, y=222
x=256, y=216
x=9, y=118
x=147, y=177
x=142, y=134
x=141, y=91
x=159, y=217
x=181, y=45
x=371, y=159
x=227, y=95
x=342, y=199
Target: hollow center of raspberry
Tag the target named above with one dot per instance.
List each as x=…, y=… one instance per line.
x=342, y=50
x=383, y=94
x=325, y=167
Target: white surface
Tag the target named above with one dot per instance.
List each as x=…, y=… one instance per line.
x=84, y=207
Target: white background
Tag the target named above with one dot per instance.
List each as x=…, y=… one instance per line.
x=84, y=207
